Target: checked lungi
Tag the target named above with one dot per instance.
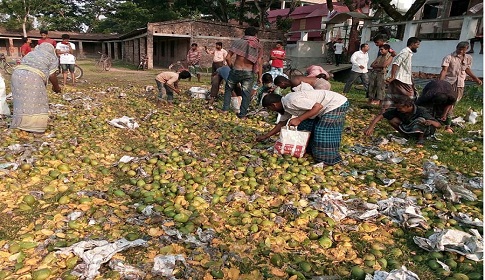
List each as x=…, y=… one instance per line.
x=326, y=135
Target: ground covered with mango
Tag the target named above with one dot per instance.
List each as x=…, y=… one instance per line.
x=197, y=186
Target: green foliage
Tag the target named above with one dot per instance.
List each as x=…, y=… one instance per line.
x=284, y=24
x=475, y=93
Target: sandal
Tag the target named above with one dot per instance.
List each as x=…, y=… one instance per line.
x=420, y=143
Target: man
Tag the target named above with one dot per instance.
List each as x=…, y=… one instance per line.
x=316, y=70
x=221, y=74
x=409, y=120
x=438, y=97
x=359, y=60
x=379, y=41
x=277, y=57
x=318, y=82
x=330, y=51
x=249, y=53
x=25, y=48
x=456, y=66
x=320, y=111
x=454, y=69
x=219, y=56
x=167, y=84
x=45, y=38
x=401, y=78
x=339, y=50
x=67, y=60
x=193, y=59
x=377, y=85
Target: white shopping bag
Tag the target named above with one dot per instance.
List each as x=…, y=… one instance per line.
x=4, y=110
x=292, y=141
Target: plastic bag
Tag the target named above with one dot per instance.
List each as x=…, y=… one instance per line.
x=4, y=110
x=198, y=92
x=292, y=142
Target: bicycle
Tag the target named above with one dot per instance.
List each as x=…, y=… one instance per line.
x=143, y=63
x=104, y=62
x=7, y=67
x=178, y=66
x=290, y=71
x=78, y=72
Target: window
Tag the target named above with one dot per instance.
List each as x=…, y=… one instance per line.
x=303, y=24
x=430, y=10
x=172, y=48
x=162, y=48
x=155, y=46
x=458, y=8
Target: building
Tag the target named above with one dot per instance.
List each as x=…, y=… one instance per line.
x=163, y=42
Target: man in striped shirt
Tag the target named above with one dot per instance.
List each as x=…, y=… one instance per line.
x=193, y=59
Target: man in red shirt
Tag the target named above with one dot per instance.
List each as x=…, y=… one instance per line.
x=25, y=48
x=45, y=38
x=278, y=54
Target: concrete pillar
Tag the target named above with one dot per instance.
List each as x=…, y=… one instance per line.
x=136, y=51
x=116, y=53
x=304, y=36
x=108, y=45
x=149, y=46
x=329, y=34
x=10, y=48
x=469, y=28
x=123, y=50
x=80, y=50
x=103, y=47
x=282, y=4
x=410, y=30
x=365, y=32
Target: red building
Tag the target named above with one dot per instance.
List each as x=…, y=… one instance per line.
x=306, y=18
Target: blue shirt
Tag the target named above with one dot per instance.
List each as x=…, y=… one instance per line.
x=224, y=72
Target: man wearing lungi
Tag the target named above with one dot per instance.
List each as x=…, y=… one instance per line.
x=320, y=111
x=401, y=78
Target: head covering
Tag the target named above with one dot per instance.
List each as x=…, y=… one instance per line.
x=42, y=60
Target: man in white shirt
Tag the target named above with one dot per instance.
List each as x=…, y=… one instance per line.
x=359, y=60
x=67, y=60
x=219, y=56
x=401, y=78
x=339, y=50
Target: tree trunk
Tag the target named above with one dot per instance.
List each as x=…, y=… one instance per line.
x=241, y=11
x=353, y=38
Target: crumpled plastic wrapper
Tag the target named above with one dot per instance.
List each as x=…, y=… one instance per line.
x=331, y=203
x=402, y=211
x=372, y=151
x=451, y=240
x=126, y=159
x=164, y=265
x=436, y=179
x=464, y=219
x=396, y=274
x=124, y=122
x=198, y=92
x=94, y=253
x=126, y=271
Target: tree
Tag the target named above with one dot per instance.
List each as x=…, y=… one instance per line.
x=263, y=6
x=392, y=12
x=64, y=15
x=21, y=12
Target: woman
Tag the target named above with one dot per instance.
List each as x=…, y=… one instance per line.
x=320, y=111
x=29, y=81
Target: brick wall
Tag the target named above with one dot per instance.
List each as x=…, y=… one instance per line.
x=206, y=33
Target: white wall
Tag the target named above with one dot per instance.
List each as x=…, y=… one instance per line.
x=430, y=55
x=305, y=53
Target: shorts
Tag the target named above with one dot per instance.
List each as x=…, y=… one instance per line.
x=194, y=69
x=66, y=67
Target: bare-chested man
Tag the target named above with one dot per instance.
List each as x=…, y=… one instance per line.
x=249, y=53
